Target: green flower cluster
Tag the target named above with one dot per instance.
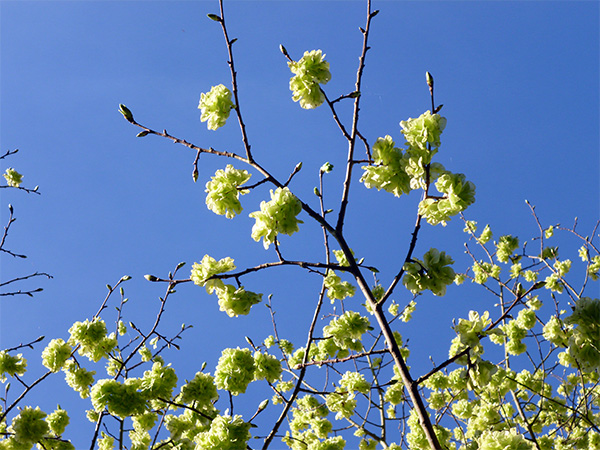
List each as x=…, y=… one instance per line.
x=389, y=171
x=483, y=270
x=12, y=177
x=584, y=341
x=133, y=396
x=276, y=216
x=346, y=331
x=216, y=106
x=514, y=331
x=223, y=191
x=423, y=131
x=433, y=273
x=237, y=368
x=237, y=301
x=234, y=301
x=28, y=428
x=336, y=288
x=225, y=433
x=267, y=367
x=341, y=335
x=92, y=339
x=458, y=195
x=594, y=268
x=32, y=426
x=501, y=440
x=309, y=72
x=55, y=354
x=199, y=394
x=11, y=365
x=343, y=401
x=78, y=378
x=469, y=333
x=309, y=425
x=400, y=172
x=140, y=436
x=209, y=267
x=201, y=390
x=341, y=258
x=506, y=247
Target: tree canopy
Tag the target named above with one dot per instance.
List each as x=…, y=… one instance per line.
x=338, y=259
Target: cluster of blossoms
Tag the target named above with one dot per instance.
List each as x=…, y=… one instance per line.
x=433, y=273
x=216, y=106
x=309, y=73
x=340, y=336
x=399, y=172
x=235, y=301
x=580, y=333
x=223, y=191
x=237, y=368
x=276, y=216
x=458, y=195
x=12, y=177
x=11, y=365
x=33, y=426
x=92, y=339
x=309, y=425
x=336, y=288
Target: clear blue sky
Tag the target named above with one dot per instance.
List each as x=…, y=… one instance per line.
x=519, y=82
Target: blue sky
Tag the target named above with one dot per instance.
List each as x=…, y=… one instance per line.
x=519, y=84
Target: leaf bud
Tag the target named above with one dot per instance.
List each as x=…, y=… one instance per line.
x=429, y=79
x=126, y=278
x=263, y=404
x=317, y=193
x=142, y=134
x=150, y=278
x=203, y=366
x=214, y=17
x=283, y=50
x=354, y=94
x=374, y=13
x=126, y=112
